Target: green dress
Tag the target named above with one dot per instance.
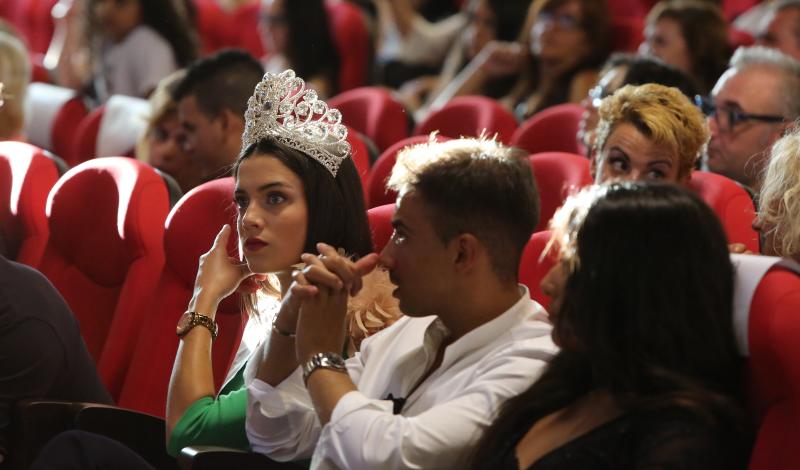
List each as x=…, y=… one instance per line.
x=214, y=421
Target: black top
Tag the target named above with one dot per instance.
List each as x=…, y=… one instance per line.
x=42, y=354
x=664, y=440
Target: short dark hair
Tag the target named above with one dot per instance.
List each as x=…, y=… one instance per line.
x=311, y=49
x=475, y=186
x=224, y=80
x=640, y=70
x=336, y=211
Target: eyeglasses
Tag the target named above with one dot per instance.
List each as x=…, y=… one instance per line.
x=727, y=118
x=561, y=20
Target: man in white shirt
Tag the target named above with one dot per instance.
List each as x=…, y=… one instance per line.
x=421, y=392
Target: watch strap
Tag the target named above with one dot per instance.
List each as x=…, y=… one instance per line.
x=198, y=319
x=326, y=360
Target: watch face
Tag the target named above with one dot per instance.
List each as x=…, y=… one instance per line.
x=183, y=323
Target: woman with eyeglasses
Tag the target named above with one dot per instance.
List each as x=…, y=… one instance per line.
x=648, y=132
x=567, y=41
x=648, y=375
x=297, y=35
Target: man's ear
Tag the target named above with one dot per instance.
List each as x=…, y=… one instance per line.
x=467, y=249
x=232, y=124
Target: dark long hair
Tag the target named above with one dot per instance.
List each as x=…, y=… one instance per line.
x=311, y=49
x=175, y=25
x=646, y=314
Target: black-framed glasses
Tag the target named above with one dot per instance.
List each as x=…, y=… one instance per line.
x=727, y=118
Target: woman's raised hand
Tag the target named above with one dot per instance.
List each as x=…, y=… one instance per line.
x=218, y=274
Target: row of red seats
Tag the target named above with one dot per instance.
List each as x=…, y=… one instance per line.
x=127, y=269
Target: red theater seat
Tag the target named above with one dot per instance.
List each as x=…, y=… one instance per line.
x=558, y=175
x=54, y=114
x=353, y=42
x=732, y=204
x=105, y=251
x=190, y=231
x=374, y=112
x=26, y=176
x=627, y=33
x=380, y=224
x=767, y=328
x=470, y=116
x=360, y=154
x=551, y=130
x=377, y=194
x=111, y=129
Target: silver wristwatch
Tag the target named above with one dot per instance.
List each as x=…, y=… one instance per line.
x=327, y=360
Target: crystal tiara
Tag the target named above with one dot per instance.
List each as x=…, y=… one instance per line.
x=283, y=109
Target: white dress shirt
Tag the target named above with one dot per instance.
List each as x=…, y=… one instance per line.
x=440, y=421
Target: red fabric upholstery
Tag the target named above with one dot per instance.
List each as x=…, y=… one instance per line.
x=85, y=141
x=380, y=224
x=65, y=129
x=190, y=230
x=377, y=194
x=470, y=116
x=213, y=26
x=353, y=42
x=558, y=175
x=374, y=112
x=740, y=38
x=26, y=177
x=629, y=8
x=33, y=20
x=105, y=252
x=551, y=130
x=774, y=370
x=533, y=267
x=244, y=29
x=360, y=156
x=733, y=8
x=732, y=205
x=627, y=33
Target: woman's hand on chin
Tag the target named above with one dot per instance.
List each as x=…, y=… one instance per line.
x=218, y=275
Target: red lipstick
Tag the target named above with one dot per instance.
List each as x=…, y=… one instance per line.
x=254, y=244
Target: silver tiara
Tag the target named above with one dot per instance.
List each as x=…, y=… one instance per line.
x=283, y=109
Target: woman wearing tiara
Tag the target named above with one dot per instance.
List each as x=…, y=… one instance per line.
x=296, y=187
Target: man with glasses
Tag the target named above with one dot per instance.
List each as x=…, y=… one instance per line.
x=750, y=107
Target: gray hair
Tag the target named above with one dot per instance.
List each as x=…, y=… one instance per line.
x=759, y=56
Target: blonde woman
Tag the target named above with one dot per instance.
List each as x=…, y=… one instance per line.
x=15, y=75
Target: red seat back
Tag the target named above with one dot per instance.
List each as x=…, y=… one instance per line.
x=534, y=267
x=558, y=175
x=360, y=154
x=244, y=29
x=470, y=116
x=105, y=250
x=374, y=112
x=553, y=129
x=774, y=369
x=377, y=194
x=33, y=20
x=213, y=26
x=353, y=42
x=190, y=231
x=732, y=205
x=84, y=144
x=380, y=224
x=26, y=177
x=627, y=33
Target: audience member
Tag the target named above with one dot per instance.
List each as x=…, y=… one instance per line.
x=160, y=146
x=648, y=375
x=297, y=35
x=751, y=106
x=778, y=218
x=781, y=28
x=109, y=47
x=420, y=391
x=413, y=37
x=15, y=74
x=212, y=99
x=648, y=132
x=483, y=61
x=627, y=69
x=43, y=353
x=568, y=41
x=691, y=35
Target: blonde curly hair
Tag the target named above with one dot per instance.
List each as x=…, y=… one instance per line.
x=663, y=114
x=779, y=199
